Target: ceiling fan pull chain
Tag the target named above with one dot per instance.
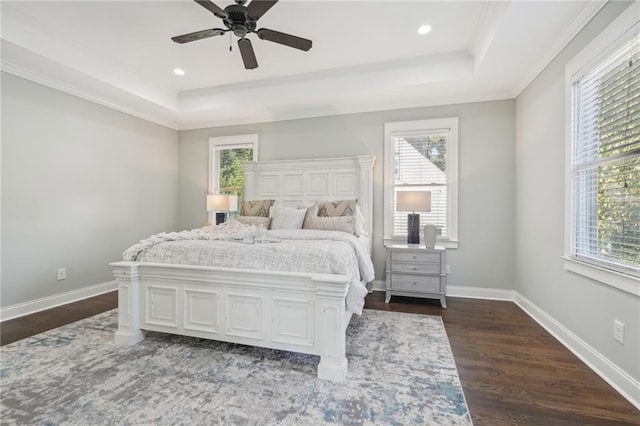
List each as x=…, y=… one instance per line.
x=230, y=44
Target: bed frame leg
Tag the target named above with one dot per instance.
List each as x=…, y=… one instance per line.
x=332, y=368
x=129, y=332
x=333, y=362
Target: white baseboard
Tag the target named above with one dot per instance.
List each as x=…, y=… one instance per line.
x=622, y=382
x=480, y=293
x=379, y=285
x=466, y=292
x=33, y=306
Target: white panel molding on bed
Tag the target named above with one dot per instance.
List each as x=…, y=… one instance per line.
x=293, y=311
x=299, y=183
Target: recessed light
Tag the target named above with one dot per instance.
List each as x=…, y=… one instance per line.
x=424, y=29
x=178, y=71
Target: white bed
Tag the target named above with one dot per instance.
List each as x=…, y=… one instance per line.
x=293, y=311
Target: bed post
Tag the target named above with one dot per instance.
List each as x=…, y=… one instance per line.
x=332, y=291
x=366, y=192
x=129, y=332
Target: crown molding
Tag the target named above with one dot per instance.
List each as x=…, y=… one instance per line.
x=335, y=110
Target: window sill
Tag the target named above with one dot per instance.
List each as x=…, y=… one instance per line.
x=624, y=282
x=448, y=244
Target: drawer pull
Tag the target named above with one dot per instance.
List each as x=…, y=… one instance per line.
x=415, y=283
x=415, y=257
x=414, y=268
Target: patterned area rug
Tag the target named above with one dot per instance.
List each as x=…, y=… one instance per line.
x=401, y=371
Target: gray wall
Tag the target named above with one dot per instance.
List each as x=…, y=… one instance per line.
x=584, y=306
x=485, y=257
x=80, y=183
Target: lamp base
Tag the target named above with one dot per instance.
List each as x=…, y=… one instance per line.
x=221, y=217
x=413, y=228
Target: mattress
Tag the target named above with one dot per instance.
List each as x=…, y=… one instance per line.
x=245, y=247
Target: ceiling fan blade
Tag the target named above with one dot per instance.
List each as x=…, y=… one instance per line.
x=282, y=38
x=211, y=7
x=198, y=35
x=248, y=56
x=257, y=8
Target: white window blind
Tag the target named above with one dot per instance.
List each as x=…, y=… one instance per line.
x=605, y=162
x=420, y=164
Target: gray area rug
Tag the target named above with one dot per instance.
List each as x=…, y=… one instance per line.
x=401, y=371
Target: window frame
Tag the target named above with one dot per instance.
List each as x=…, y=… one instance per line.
x=619, y=32
x=227, y=142
x=427, y=125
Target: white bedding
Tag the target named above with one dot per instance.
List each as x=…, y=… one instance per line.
x=299, y=250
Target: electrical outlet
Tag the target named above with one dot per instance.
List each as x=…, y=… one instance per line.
x=618, y=331
x=448, y=269
x=62, y=274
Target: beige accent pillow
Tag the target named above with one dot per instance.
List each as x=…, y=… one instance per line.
x=256, y=208
x=255, y=220
x=338, y=223
x=287, y=218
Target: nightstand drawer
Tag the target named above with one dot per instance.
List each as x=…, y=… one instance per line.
x=404, y=256
x=415, y=283
x=418, y=268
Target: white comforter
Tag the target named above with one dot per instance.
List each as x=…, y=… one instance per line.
x=329, y=252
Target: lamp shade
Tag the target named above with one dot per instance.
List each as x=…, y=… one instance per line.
x=413, y=201
x=222, y=203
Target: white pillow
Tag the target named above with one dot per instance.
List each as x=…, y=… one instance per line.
x=287, y=218
x=358, y=225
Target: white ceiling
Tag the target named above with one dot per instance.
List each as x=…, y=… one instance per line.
x=366, y=55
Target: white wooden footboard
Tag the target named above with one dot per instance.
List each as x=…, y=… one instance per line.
x=292, y=311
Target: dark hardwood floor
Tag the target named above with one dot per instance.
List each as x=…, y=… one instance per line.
x=29, y=325
x=512, y=371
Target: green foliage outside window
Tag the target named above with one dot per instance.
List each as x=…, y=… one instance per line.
x=231, y=173
x=619, y=180
x=432, y=147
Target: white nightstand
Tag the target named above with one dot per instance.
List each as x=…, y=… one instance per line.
x=416, y=271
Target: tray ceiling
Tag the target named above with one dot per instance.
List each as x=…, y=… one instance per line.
x=366, y=55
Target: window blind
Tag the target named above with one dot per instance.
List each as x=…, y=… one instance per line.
x=606, y=162
x=420, y=161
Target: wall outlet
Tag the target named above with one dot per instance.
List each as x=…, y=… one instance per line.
x=618, y=331
x=62, y=274
x=448, y=269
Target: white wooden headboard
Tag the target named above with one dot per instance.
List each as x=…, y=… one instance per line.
x=298, y=183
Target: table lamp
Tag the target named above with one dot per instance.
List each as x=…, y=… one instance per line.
x=222, y=204
x=413, y=201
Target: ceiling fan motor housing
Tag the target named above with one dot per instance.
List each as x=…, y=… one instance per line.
x=238, y=20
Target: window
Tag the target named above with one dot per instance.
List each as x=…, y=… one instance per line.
x=422, y=156
x=226, y=156
x=604, y=160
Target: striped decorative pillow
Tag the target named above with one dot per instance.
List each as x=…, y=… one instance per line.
x=344, y=208
x=256, y=208
x=337, y=208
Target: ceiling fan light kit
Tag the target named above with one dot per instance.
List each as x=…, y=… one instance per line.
x=242, y=20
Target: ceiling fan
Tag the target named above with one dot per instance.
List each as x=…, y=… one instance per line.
x=242, y=20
